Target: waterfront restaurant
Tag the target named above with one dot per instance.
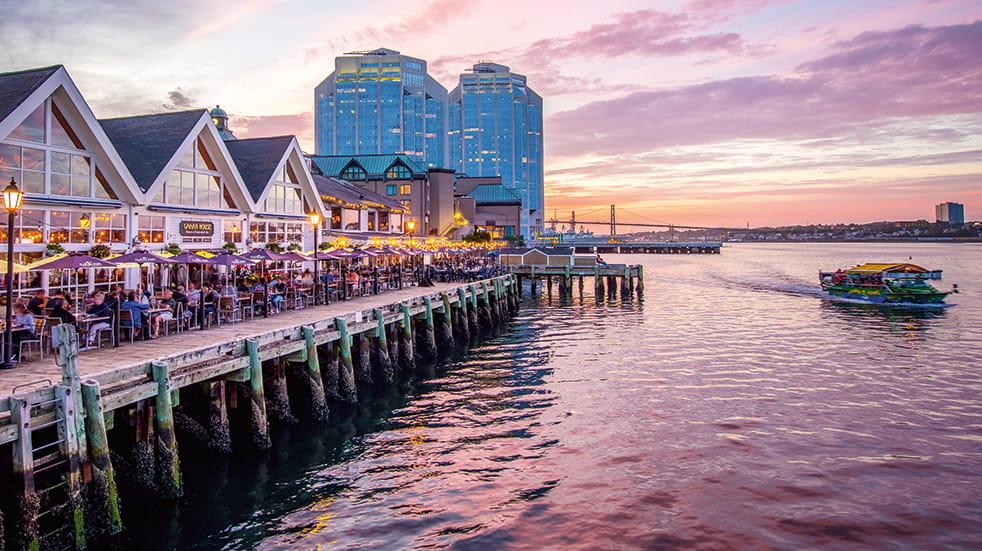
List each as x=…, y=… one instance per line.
x=358, y=216
x=77, y=191
x=143, y=182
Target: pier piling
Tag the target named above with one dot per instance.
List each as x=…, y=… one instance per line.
x=168, y=461
x=346, y=372
x=257, y=398
x=311, y=376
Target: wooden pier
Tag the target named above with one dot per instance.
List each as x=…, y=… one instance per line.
x=607, y=278
x=671, y=247
x=63, y=423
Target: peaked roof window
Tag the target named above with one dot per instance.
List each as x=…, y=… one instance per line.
x=195, y=182
x=398, y=171
x=354, y=172
x=46, y=144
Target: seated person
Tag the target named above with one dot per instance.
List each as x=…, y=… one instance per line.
x=22, y=317
x=600, y=260
x=136, y=308
x=38, y=303
x=352, y=279
x=209, y=299
x=58, y=311
x=166, y=301
x=98, y=309
x=276, y=290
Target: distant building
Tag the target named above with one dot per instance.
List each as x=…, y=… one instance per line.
x=381, y=102
x=950, y=213
x=426, y=194
x=495, y=123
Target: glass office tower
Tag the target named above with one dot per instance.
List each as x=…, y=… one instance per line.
x=495, y=124
x=381, y=102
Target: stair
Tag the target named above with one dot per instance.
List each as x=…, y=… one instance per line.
x=47, y=459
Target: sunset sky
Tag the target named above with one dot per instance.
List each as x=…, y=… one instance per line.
x=701, y=112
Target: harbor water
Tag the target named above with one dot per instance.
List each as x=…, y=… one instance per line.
x=733, y=407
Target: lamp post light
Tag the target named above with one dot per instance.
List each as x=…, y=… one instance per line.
x=315, y=221
x=12, y=198
x=411, y=228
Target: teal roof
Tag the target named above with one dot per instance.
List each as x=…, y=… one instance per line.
x=494, y=193
x=375, y=165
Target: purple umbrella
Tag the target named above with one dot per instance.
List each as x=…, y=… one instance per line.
x=75, y=261
x=142, y=257
x=265, y=254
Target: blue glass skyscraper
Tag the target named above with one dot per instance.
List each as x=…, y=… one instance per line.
x=380, y=101
x=495, y=123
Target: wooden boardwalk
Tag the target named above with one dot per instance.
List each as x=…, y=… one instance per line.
x=109, y=358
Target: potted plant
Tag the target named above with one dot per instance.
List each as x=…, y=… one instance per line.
x=100, y=251
x=275, y=247
x=172, y=248
x=293, y=247
x=325, y=246
x=52, y=249
x=230, y=247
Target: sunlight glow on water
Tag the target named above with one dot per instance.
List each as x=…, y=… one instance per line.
x=732, y=408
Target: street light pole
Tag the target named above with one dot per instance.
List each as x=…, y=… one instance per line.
x=11, y=201
x=315, y=221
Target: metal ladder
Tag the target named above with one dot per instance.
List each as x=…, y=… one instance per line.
x=47, y=459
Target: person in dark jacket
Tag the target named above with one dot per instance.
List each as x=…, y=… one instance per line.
x=136, y=309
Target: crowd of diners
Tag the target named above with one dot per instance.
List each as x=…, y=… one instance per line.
x=105, y=317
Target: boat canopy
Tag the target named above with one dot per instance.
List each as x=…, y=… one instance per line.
x=895, y=270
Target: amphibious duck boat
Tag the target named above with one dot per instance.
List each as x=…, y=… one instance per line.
x=884, y=284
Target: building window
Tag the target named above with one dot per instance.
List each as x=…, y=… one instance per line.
x=405, y=189
x=383, y=221
x=276, y=232
x=150, y=229
x=28, y=227
x=335, y=218
x=398, y=171
x=354, y=172
x=58, y=152
x=69, y=227
x=284, y=199
x=109, y=228
x=371, y=221
x=391, y=189
x=231, y=231
x=196, y=182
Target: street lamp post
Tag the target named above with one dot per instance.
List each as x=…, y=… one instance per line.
x=11, y=201
x=411, y=228
x=315, y=221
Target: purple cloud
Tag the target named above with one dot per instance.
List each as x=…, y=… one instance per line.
x=867, y=81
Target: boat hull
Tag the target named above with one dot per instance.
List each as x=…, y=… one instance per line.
x=884, y=295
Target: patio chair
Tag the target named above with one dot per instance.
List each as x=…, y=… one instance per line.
x=126, y=323
x=38, y=340
x=228, y=311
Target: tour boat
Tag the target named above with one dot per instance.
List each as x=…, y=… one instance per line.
x=900, y=284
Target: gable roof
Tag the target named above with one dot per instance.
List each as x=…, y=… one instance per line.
x=257, y=159
x=494, y=193
x=147, y=142
x=352, y=195
x=375, y=165
x=17, y=86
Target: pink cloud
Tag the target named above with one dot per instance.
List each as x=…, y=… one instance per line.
x=300, y=125
x=869, y=80
x=432, y=17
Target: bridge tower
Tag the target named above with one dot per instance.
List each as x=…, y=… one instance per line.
x=613, y=223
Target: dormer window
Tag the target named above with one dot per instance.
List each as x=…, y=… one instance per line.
x=354, y=172
x=398, y=171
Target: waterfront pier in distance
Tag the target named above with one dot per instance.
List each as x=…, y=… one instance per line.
x=73, y=429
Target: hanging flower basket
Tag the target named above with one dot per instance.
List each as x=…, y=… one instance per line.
x=100, y=251
x=293, y=247
x=52, y=249
x=229, y=246
x=172, y=248
x=275, y=247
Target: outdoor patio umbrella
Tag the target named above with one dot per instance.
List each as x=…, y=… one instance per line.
x=75, y=261
x=228, y=260
x=140, y=257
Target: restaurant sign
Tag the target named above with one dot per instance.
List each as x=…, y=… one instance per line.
x=192, y=228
